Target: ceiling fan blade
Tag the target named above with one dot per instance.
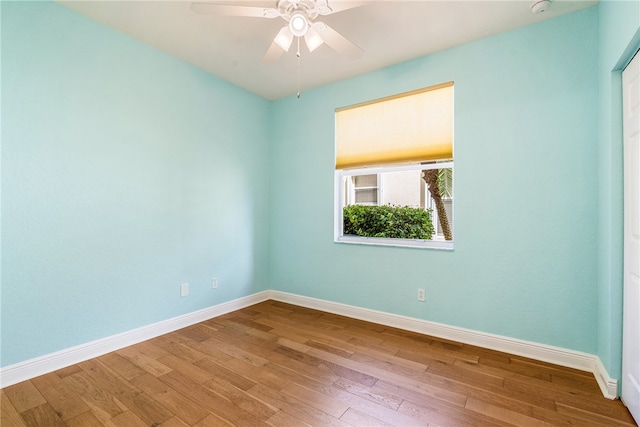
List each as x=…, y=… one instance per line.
x=233, y=10
x=325, y=7
x=273, y=54
x=337, y=41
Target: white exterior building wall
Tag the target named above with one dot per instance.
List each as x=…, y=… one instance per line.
x=401, y=188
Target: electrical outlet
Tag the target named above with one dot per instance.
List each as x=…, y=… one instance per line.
x=214, y=283
x=184, y=289
x=421, y=295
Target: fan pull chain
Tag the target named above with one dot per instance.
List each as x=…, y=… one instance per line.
x=298, y=55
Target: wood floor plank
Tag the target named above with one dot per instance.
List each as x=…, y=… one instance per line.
x=105, y=378
x=301, y=374
x=126, y=419
x=247, y=320
x=409, y=382
x=123, y=366
x=578, y=382
x=531, y=408
x=237, y=352
x=190, y=370
x=287, y=327
x=418, y=391
x=365, y=400
x=24, y=396
x=570, y=397
x=125, y=393
x=337, y=350
x=460, y=373
x=215, y=403
x=320, y=401
x=175, y=346
x=102, y=402
x=279, y=365
x=242, y=399
x=67, y=403
x=379, y=397
x=46, y=381
x=221, y=372
x=145, y=361
x=242, y=331
x=177, y=403
x=283, y=418
x=505, y=368
x=86, y=419
x=506, y=415
x=206, y=347
x=145, y=407
x=269, y=375
x=295, y=407
x=609, y=418
x=358, y=418
x=9, y=416
x=174, y=422
x=390, y=363
x=212, y=420
x=425, y=356
x=42, y=415
x=430, y=412
x=199, y=332
x=69, y=370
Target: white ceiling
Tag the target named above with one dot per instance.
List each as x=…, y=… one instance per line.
x=389, y=32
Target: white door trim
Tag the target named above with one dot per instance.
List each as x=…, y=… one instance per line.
x=631, y=273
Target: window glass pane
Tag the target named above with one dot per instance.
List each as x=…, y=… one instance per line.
x=366, y=180
x=400, y=204
x=366, y=196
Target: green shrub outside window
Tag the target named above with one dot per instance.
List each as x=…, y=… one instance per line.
x=395, y=222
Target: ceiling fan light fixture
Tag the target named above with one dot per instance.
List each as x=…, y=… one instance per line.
x=313, y=38
x=298, y=24
x=284, y=38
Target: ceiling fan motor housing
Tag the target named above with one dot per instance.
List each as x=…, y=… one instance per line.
x=289, y=8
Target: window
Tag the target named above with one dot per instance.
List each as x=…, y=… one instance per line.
x=394, y=170
x=363, y=190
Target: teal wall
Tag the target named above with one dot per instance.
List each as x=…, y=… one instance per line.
x=526, y=213
x=619, y=28
x=125, y=172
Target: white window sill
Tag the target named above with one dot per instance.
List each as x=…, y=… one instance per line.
x=407, y=243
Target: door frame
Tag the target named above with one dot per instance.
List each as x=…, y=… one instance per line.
x=629, y=340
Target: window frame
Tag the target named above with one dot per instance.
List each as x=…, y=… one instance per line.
x=339, y=197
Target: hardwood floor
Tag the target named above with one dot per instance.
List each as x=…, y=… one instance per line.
x=281, y=365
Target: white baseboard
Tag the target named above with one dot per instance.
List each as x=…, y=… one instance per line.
x=608, y=385
x=546, y=353
x=28, y=369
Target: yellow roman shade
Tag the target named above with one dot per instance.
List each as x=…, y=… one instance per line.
x=412, y=127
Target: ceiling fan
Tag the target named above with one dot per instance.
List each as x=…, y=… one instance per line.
x=300, y=16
